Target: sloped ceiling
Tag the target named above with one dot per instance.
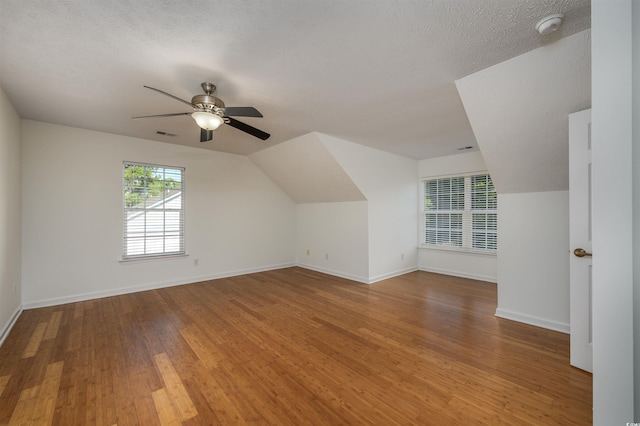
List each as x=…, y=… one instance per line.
x=519, y=111
x=378, y=72
x=305, y=169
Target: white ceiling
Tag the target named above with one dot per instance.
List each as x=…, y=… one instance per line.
x=376, y=72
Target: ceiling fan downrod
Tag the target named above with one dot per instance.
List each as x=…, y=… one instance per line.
x=208, y=88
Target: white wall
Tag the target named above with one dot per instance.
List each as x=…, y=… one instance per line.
x=389, y=183
x=469, y=265
x=304, y=168
x=331, y=212
x=519, y=110
x=10, y=216
x=475, y=266
x=333, y=238
x=614, y=190
x=533, y=258
x=237, y=220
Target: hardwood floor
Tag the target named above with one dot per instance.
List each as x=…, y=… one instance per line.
x=290, y=346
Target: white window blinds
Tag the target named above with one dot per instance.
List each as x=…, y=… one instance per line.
x=460, y=213
x=153, y=210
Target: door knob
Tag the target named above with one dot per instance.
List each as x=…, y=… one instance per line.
x=581, y=253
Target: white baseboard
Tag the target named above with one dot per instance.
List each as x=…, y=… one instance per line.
x=149, y=286
x=358, y=278
x=156, y=285
x=533, y=320
x=460, y=274
x=6, y=329
x=327, y=271
x=235, y=273
x=392, y=274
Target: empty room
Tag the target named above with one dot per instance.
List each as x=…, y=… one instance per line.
x=320, y=212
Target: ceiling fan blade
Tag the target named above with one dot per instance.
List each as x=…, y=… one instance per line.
x=248, y=129
x=206, y=135
x=242, y=112
x=171, y=96
x=162, y=115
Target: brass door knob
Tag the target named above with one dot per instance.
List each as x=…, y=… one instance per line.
x=581, y=253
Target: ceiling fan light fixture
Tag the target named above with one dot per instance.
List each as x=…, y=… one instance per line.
x=207, y=120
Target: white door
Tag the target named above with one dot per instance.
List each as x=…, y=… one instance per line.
x=580, y=239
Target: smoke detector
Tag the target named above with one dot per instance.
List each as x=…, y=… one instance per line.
x=550, y=23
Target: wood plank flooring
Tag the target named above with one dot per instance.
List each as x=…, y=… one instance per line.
x=290, y=347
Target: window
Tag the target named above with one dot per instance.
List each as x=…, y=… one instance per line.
x=460, y=213
x=153, y=210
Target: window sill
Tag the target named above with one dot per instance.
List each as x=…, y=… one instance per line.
x=459, y=250
x=143, y=259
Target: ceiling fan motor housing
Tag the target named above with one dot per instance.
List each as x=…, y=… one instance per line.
x=208, y=103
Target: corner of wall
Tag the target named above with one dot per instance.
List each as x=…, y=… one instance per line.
x=533, y=258
x=6, y=329
x=10, y=215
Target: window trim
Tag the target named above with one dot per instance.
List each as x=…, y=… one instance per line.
x=422, y=213
x=182, y=210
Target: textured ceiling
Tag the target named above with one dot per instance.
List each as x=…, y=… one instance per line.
x=376, y=72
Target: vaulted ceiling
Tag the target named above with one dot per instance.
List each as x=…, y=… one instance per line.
x=519, y=111
x=378, y=72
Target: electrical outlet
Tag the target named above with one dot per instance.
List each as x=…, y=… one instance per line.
x=326, y=256
x=196, y=262
x=308, y=252
x=402, y=256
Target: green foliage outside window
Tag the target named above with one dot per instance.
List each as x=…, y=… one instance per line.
x=145, y=182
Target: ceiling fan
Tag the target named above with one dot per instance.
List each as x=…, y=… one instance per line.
x=210, y=113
